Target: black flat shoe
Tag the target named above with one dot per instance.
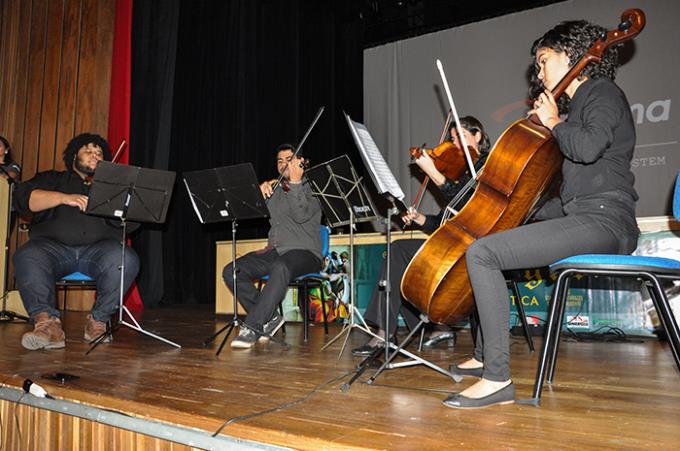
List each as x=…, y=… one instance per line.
x=505, y=395
x=446, y=336
x=475, y=372
x=366, y=350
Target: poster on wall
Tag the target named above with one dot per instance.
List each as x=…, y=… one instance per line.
x=334, y=293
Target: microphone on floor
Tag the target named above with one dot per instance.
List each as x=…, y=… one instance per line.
x=35, y=389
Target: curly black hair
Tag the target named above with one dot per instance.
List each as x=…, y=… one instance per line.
x=574, y=38
x=473, y=125
x=81, y=140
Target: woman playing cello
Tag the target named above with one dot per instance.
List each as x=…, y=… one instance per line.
x=595, y=211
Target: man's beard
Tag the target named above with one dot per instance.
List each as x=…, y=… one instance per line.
x=82, y=168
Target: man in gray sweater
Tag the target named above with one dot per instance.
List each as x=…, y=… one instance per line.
x=293, y=249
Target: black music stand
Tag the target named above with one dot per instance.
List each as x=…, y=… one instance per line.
x=131, y=193
x=344, y=202
x=388, y=186
x=229, y=193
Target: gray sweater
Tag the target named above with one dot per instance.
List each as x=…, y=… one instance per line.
x=295, y=220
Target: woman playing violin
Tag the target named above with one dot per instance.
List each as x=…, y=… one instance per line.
x=402, y=251
x=595, y=210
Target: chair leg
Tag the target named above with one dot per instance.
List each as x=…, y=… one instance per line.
x=323, y=309
x=304, y=307
x=557, y=331
x=63, y=307
x=522, y=316
x=283, y=328
x=542, y=368
x=666, y=317
x=474, y=325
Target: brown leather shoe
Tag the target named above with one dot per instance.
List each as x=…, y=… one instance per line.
x=94, y=329
x=47, y=333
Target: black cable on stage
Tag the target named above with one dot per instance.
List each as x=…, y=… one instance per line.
x=282, y=406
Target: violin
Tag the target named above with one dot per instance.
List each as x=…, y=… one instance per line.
x=123, y=144
x=448, y=158
x=285, y=183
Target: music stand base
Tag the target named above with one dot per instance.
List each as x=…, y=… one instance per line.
x=134, y=325
x=8, y=315
x=229, y=326
x=347, y=330
x=398, y=349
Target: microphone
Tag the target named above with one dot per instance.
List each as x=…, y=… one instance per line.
x=35, y=389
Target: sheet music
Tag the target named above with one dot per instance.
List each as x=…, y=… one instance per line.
x=380, y=173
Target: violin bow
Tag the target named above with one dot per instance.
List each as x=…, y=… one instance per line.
x=455, y=117
x=299, y=146
x=421, y=191
x=122, y=146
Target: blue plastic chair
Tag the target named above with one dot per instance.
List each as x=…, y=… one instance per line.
x=651, y=270
x=305, y=282
x=75, y=279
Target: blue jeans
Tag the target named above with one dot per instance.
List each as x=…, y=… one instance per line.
x=40, y=262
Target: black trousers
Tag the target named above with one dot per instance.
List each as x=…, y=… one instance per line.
x=602, y=225
x=281, y=269
x=401, y=253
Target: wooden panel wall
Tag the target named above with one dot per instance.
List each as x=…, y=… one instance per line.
x=25, y=427
x=55, y=74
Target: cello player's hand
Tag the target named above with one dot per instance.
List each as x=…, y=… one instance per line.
x=545, y=107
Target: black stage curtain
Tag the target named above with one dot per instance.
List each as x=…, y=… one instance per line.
x=216, y=83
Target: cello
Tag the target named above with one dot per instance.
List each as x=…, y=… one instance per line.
x=519, y=170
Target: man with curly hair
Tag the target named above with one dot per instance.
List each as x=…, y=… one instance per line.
x=595, y=210
x=63, y=240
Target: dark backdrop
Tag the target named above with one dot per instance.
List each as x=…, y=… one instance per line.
x=221, y=83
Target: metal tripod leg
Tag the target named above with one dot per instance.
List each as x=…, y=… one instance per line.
x=363, y=366
x=122, y=309
x=347, y=329
x=8, y=315
x=415, y=360
x=229, y=327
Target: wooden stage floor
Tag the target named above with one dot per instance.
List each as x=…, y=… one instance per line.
x=606, y=395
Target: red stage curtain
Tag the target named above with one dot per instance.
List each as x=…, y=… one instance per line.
x=119, y=104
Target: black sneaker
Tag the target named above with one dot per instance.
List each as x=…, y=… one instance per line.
x=245, y=339
x=271, y=327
